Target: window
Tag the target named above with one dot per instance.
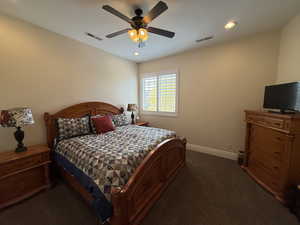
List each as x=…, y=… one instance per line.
x=159, y=93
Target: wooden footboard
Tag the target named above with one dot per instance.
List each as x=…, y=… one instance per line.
x=133, y=201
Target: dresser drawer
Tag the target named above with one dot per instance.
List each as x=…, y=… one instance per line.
x=19, y=164
x=269, y=164
x=267, y=121
x=271, y=144
x=21, y=184
x=264, y=175
x=267, y=154
x=276, y=123
x=256, y=119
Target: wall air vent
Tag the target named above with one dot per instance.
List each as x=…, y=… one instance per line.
x=93, y=36
x=205, y=39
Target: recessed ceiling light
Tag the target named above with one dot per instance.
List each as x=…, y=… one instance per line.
x=136, y=53
x=230, y=25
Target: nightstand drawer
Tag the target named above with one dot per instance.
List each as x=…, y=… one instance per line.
x=21, y=185
x=23, y=163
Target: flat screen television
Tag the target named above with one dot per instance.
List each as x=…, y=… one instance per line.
x=284, y=97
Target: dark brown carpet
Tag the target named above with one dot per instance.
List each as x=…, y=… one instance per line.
x=209, y=191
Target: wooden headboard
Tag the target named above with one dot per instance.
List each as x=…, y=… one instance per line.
x=76, y=111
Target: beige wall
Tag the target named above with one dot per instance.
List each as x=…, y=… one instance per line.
x=216, y=84
x=289, y=56
x=47, y=72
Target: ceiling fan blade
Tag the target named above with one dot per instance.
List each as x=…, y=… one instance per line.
x=158, y=9
x=117, y=13
x=117, y=33
x=162, y=32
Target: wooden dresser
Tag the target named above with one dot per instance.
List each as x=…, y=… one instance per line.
x=23, y=174
x=273, y=150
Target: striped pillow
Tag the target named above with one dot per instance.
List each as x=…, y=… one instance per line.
x=120, y=120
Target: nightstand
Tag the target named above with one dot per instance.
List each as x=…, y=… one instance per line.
x=142, y=123
x=23, y=174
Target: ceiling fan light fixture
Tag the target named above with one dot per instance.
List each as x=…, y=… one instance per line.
x=231, y=24
x=133, y=34
x=143, y=34
x=138, y=36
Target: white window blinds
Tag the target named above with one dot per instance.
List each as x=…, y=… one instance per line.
x=159, y=93
x=150, y=94
x=167, y=93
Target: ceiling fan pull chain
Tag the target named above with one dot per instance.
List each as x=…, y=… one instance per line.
x=141, y=44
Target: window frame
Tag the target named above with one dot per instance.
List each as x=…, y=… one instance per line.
x=141, y=95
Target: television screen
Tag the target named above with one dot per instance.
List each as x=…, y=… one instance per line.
x=283, y=96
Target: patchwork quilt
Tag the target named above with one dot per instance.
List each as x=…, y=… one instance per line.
x=110, y=159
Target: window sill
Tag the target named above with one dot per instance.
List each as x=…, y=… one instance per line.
x=147, y=113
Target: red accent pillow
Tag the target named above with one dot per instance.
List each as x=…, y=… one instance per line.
x=103, y=124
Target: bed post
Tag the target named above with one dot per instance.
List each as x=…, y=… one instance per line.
x=48, y=122
x=184, y=143
x=120, y=211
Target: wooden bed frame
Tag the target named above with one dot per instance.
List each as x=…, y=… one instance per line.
x=133, y=201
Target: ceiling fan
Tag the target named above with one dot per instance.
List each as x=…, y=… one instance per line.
x=139, y=24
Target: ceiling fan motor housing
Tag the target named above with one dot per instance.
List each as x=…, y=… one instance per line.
x=138, y=12
x=138, y=20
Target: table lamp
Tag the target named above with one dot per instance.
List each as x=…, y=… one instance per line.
x=18, y=118
x=132, y=108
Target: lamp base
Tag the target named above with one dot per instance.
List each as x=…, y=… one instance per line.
x=19, y=135
x=21, y=149
x=132, y=117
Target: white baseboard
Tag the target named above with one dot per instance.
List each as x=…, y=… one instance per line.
x=212, y=151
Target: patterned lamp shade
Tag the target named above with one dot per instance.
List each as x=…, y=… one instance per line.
x=132, y=107
x=17, y=117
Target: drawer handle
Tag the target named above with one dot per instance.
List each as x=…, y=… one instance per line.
x=278, y=138
x=276, y=167
x=277, y=153
x=277, y=124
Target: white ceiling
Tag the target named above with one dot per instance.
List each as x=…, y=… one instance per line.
x=190, y=19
